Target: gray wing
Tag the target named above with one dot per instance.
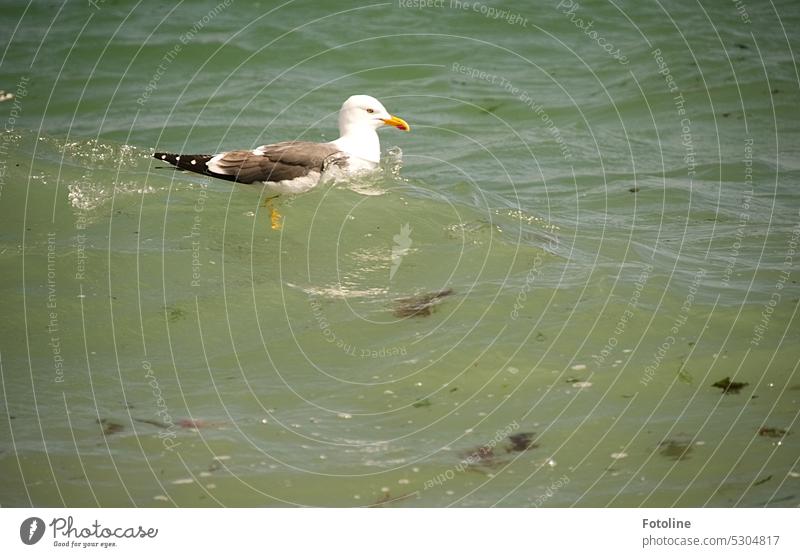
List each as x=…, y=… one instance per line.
x=273, y=163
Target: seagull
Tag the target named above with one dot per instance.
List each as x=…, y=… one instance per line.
x=293, y=167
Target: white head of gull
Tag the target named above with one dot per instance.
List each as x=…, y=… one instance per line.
x=359, y=119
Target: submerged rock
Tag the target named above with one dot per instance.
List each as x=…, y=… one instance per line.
x=675, y=449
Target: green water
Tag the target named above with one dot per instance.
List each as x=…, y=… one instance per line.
x=616, y=239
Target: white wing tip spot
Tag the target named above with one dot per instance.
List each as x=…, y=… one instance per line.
x=163, y=157
x=193, y=161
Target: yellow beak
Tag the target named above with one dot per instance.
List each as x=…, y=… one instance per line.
x=398, y=123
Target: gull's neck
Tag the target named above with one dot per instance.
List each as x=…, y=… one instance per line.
x=359, y=141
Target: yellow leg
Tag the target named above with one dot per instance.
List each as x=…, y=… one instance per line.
x=274, y=215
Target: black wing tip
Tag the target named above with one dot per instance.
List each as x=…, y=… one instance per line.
x=195, y=163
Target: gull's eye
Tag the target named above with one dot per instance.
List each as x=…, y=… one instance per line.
x=370, y=111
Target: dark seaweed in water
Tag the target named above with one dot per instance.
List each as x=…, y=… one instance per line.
x=386, y=499
x=521, y=442
x=174, y=313
x=156, y=423
x=483, y=457
x=729, y=387
x=675, y=450
x=478, y=459
x=420, y=305
x=772, y=432
x=110, y=427
x=422, y=403
x=478, y=454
